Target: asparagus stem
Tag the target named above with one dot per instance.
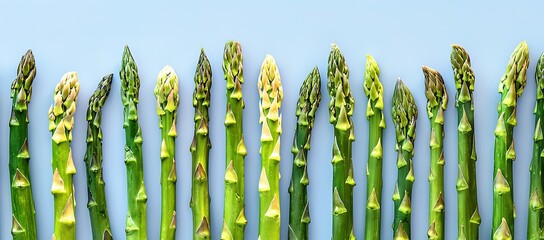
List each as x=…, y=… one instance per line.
x=22, y=202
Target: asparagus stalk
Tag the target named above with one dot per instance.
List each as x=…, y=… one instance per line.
x=137, y=198
x=404, y=113
x=234, y=220
x=166, y=92
x=98, y=210
x=61, y=121
x=340, y=111
x=467, y=198
x=437, y=101
x=200, y=149
x=374, y=114
x=308, y=102
x=271, y=95
x=22, y=202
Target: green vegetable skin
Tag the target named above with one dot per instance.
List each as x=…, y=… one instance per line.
x=404, y=113
x=340, y=111
x=22, y=203
x=437, y=101
x=137, y=198
x=61, y=121
x=98, y=210
x=200, y=149
x=299, y=209
x=511, y=87
x=166, y=92
x=467, y=195
x=234, y=219
x=271, y=95
x=374, y=113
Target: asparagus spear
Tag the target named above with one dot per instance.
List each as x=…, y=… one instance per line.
x=200, y=149
x=234, y=221
x=61, y=121
x=437, y=101
x=166, y=92
x=22, y=203
x=404, y=113
x=374, y=113
x=340, y=112
x=98, y=210
x=137, y=198
x=271, y=95
x=467, y=198
x=308, y=102
x=511, y=87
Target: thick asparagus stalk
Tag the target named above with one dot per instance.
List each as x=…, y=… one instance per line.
x=61, y=121
x=467, y=197
x=98, y=210
x=22, y=202
x=340, y=111
x=299, y=209
x=271, y=95
x=137, y=198
x=200, y=149
x=166, y=92
x=437, y=101
x=404, y=113
x=511, y=87
x=374, y=113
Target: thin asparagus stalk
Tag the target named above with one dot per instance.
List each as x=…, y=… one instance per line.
x=130, y=87
x=166, y=92
x=299, y=209
x=61, y=121
x=340, y=111
x=22, y=202
x=200, y=149
x=404, y=113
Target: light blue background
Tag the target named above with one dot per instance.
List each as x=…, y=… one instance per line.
x=89, y=38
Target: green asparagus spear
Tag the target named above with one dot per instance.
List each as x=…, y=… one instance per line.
x=404, y=113
x=340, y=111
x=374, y=113
x=467, y=198
x=437, y=101
x=200, y=149
x=166, y=92
x=271, y=95
x=137, y=198
x=234, y=221
x=308, y=102
x=61, y=121
x=22, y=202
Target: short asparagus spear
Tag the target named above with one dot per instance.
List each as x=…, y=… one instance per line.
x=308, y=102
x=61, y=121
x=510, y=87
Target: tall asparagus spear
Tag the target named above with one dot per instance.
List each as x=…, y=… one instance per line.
x=61, y=121
x=340, y=111
x=234, y=221
x=22, y=202
x=271, y=95
x=437, y=101
x=308, y=102
x=98, y=210
x=137, y=198
x=374, y=113
x=534, y=225
x=404, y=113
x=200, y=149
x=511, y=87
x=467, y=197
x=166, y=92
